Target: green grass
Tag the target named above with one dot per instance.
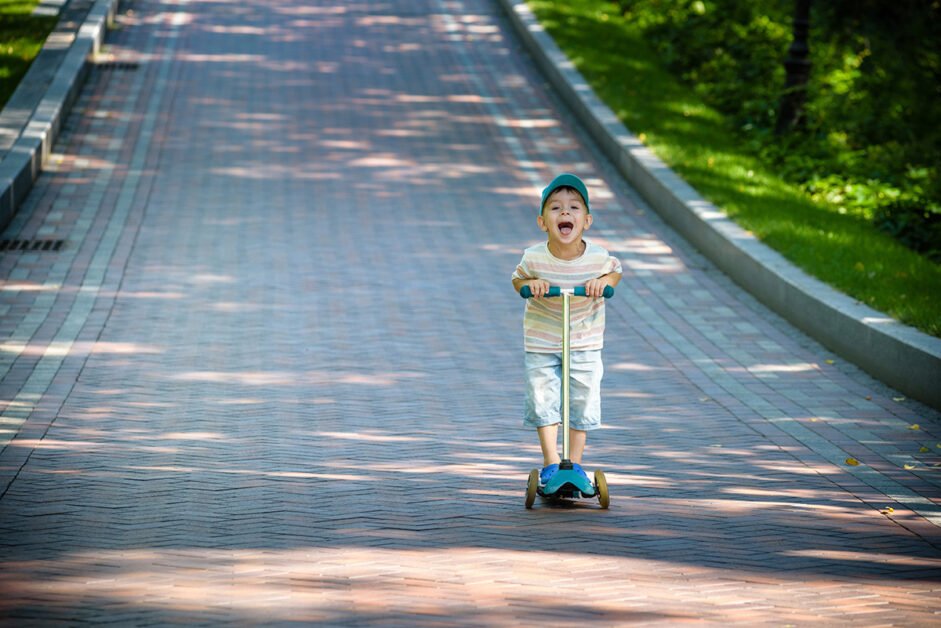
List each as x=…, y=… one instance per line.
x=21, y=39
x=843, y=250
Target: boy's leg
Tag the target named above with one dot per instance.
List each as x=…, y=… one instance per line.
x=587, y=371
x=543, y=389
x=577, y=440
x=548, y=441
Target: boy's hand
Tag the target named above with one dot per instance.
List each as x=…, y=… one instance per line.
x=539, y=287
x=595, y=287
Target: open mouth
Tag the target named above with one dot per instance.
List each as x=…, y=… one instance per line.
x=565, y=228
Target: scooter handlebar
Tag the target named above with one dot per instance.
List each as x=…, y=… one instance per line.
x=555, y=291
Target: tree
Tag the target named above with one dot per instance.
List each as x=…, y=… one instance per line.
x=797, y=67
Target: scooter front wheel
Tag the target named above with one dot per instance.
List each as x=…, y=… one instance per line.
x=601, y=485
x=532, y=486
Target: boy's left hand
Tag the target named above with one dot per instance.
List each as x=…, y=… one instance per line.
x=595, y=287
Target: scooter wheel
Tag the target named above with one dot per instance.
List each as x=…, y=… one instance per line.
x=531, y=487
x=601, y=485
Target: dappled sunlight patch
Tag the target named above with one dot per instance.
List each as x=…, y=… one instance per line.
x=528, y=123
x=868, y=557
x=241, y=378
x=636, y=479
x=60, y=349
x=373, y=437
x=239, y=29
x=29, y=286
x=211, y=278
x=797, y=367
x=295, y=378
x=637, y=246
x=345, y=583
x=233, y=58
x=293, y=474
x=492, y=492
x=743, y=507
x=660, y=265
x=141, y=294
x=232, y=306
x=625, y=394
x=382, y=160
x=797, y=468
x=346, y=144
x=81, y=446
x=390, y=20
x=636, y=367
x=500, y=248
x=194, y=436
x=809, y=495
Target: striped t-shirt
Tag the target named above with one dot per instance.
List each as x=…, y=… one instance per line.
x=542, y=321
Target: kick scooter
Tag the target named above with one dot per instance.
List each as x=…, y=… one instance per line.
x=566, y=483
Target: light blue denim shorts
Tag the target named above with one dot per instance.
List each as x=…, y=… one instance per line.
x=544, y=389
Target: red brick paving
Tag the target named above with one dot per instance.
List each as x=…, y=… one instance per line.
x=275, y=374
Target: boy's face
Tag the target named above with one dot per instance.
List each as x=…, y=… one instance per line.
x=564, y=217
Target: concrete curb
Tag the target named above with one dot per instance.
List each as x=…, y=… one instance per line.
x=22, y=164
x=897, y=354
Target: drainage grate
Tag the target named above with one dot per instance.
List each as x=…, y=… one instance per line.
x=31, y=245
x=117, y=65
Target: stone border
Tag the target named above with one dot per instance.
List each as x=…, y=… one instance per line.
x=24, y=161
x=897, y=354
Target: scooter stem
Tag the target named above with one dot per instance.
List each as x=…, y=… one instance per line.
x=566, y=341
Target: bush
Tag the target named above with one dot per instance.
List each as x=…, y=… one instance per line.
x=915, y=226
x=872, y=137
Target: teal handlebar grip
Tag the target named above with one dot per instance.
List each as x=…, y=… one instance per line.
x=555, y=291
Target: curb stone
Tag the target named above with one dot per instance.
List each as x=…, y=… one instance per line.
x=23, y=162
x=894, y=353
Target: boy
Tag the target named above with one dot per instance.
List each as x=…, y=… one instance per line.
x=564, y=260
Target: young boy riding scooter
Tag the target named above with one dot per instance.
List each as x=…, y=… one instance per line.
x=565, y=260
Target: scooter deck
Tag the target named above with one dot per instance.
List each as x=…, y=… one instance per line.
x=567, y=484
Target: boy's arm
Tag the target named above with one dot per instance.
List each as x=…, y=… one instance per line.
x=595, y=287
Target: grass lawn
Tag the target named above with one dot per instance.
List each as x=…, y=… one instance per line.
x=21, y=39
x=842, y=250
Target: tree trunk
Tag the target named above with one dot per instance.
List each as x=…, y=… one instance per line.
x=797, y=65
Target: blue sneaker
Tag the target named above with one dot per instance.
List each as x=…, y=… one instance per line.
x=577, y=468
x=547, y=472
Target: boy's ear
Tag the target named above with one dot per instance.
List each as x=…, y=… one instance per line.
x=588, y=221
x=542, y=223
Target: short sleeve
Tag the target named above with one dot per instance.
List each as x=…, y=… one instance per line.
x=612, y=265
x=522, y=270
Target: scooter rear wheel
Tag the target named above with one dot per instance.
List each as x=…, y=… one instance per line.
x=531, y=488
x=601, y=485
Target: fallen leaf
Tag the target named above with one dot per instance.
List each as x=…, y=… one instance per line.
x=923, y=450
x=814, y=419
x=868, y=397
x=853, y=462
x=898, y=399
x=909, y=467
x=829, y=361
x=914, y=426
x=888, y=510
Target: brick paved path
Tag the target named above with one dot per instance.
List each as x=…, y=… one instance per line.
x=274, y=375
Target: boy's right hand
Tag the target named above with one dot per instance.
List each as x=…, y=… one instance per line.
x=539, y=287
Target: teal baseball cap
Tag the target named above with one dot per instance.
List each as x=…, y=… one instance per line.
x=565, y=180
